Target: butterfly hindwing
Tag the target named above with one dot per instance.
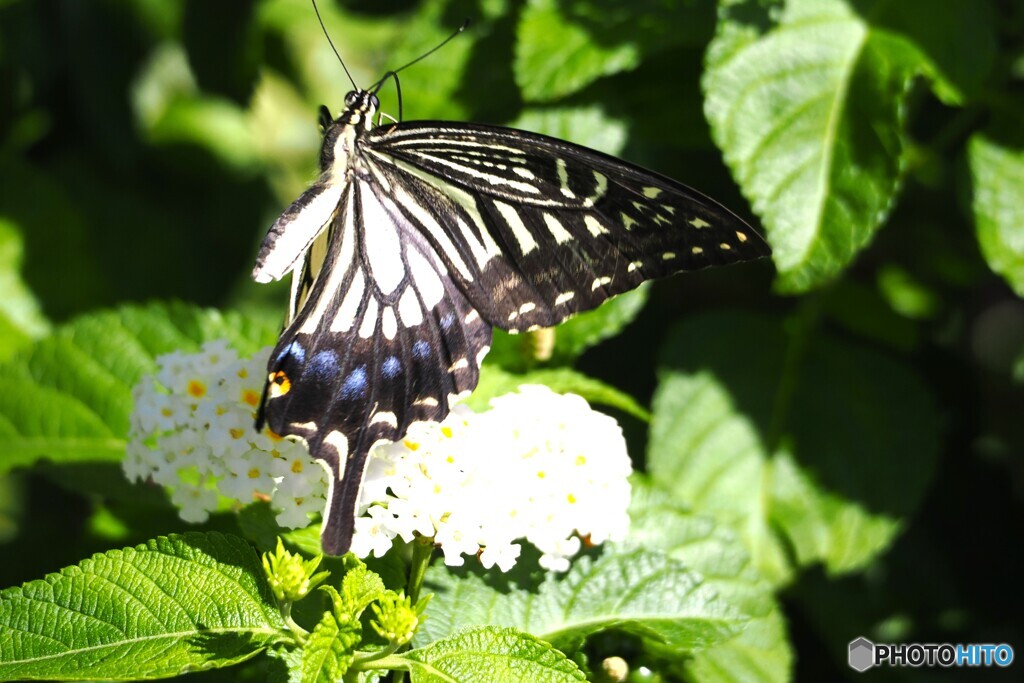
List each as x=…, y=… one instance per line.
x=543, y=229
x=383, y=339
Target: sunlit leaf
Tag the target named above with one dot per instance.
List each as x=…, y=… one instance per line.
x=997, y=172
x=639, y=592
x=760, y=652
x=68, y=399
x=181, y=603
x=809, y=112
x=489, y=653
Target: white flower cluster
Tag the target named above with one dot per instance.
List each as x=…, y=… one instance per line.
x=538, y=466
x=192, y=430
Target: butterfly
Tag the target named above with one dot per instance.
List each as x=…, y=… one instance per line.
x=418, y=238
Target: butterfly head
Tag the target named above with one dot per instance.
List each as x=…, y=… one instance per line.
x=362, y=103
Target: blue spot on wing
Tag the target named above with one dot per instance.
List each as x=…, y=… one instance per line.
x=391, y=367
x=354, y=385
x=421, y=350
x=323, y=366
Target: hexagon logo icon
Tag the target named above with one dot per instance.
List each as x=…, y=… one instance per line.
x=862, y=654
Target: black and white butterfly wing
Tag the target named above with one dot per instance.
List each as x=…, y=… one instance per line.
x=434, y=233
x=382, y=338
x=535, y=229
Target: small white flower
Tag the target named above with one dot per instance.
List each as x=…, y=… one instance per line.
x=194, y=503
x=504, y=556
x=372, y=534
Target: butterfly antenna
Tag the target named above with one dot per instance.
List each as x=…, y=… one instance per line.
x=394, y=72
x=331, y=43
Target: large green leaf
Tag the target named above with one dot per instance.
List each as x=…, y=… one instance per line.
x=638, y=591
x=760, y=652
x=813, y=450
x=809, y=112
x=997, y=174
x=176, y=604
x=489, y=653
x=69, y=398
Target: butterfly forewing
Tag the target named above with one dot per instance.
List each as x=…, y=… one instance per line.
x=418, y=238
x=550, y=228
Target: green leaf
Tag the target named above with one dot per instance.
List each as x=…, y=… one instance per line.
x=326, y=656
x=761, y=651
x=640, y=592
x=495, y=382
x=813, y=450
x=359, y=587
x=997, y=175
x=21, y=319
x=562, y=47
x=69, y=398
x=579, y=333
x=490, y=653
x=556, y=57
x=571, y=338
x=175, y=604
x=810, y=116
x=587, y=126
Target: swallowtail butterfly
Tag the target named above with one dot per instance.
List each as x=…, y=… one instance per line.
x=418, y=238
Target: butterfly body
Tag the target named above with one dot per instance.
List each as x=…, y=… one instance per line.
x=418, y=238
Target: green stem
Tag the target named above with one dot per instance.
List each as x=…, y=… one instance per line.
x=422, y=549
x=359, y=659
x=802, y=327
x=396, y=664
x=297, y=631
